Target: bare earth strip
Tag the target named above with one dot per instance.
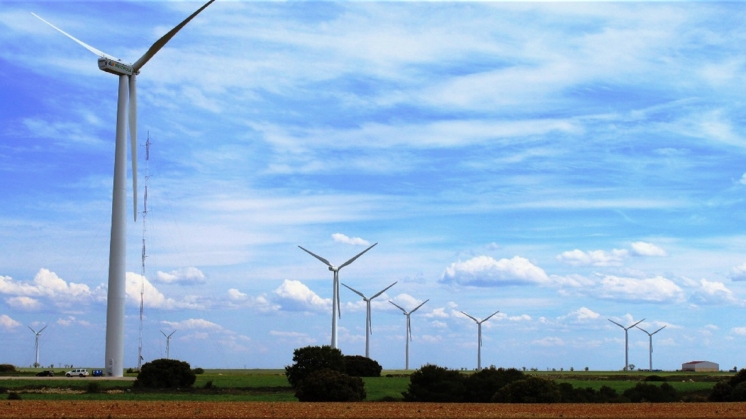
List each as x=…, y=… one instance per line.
x=251, y=410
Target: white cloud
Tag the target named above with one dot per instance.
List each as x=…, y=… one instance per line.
x=647, y=249
x=581, y=315
x=136, y=283
x=193, y=324
x=355, y=241
x=293, y=295
x=593, y=257
x=486, y=271
x=742, y=181
x=656, y=289
x=72, y=320
x=713, y=292
x=406, y=301
x=548, y=341
x=8, y=323
x=24, y=303
x=740, y=331
x=46, y=284
x=738, y=273
x=261, y=303
x=181, y=276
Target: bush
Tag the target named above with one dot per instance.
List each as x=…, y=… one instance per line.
x=7, y=368
x=198, y=371
x=330, y=386
x=654, y=378
x=14, y=396
x=165, y=373
x=643, y=392
x=529, y=390
x=93, y=387
x=432, y=383
x=482, y=385
x=313, y=358
x=723, y=390
x=360, y=366
x=738, y=394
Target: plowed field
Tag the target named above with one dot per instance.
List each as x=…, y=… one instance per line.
x=251, y=410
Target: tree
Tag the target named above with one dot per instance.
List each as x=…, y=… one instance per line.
x=165, y=373
x=313, y=358
x=482, y=385
x=644, y=392
x=432, y=383
x=531, y=389
x=360, y=366
x=330, y=386
x=725, y=391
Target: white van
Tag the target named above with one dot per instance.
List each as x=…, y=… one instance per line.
x=78, y=372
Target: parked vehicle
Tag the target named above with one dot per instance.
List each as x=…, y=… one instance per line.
x=78, y=372
x=98, y=373
x=46, y=373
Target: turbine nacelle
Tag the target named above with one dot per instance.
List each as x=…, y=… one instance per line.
x=115, y=67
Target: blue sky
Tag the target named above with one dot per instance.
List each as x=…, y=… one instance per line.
x=563, y=163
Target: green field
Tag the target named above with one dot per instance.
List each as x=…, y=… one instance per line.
x=271, y=385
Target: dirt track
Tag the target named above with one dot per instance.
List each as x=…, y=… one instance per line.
x=365, y=410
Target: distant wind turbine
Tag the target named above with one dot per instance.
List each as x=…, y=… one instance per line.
x=36, y=362
x=114, y=357
x=479, y=333
x=626, y=341
x=408, y=335
x=336, y=311
x=650, y=335
x=168, y=343
x=368, y=328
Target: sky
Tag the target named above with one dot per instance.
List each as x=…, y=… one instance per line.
x=561, y=163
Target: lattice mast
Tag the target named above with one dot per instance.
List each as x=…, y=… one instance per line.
x=144, y=254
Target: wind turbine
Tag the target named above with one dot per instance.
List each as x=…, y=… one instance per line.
x=626, y=341
x=168, y=343
x=368, y=328
x=114, y=357
x=335, y=295
x=36, y=363
x=479, y=333
x=650, y=335
x=408, y=336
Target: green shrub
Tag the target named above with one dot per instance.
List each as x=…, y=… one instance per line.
x=643, y=392
x=738, y=394
x=360, y=366
x=529, y=390
x=165, y=373
x=723, y=390
x=198, y=371
x=93, y=387
x=654, y=378
x=432, y=383
x=330, y=386
x=7, y=368
x=14, y=396
x=313, y=358
x=482, y=385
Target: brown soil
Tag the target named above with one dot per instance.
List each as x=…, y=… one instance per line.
x=364, y=410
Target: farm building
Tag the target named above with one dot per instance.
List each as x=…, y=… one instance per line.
x=700, y=366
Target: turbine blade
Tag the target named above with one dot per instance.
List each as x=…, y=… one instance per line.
x=616, y=323
x=404, y=311
x=317, y=257
x=635, y=324
x=357, y=256
x=133, y=140
x=42, y=329
x=384, y=290
x=488, y=317
x=164, y=333
x=659, y=330
x=643, y=330
x=471, y=317
x=415, y=309
x=83, y=44
x=164, y=39
x=354, y=290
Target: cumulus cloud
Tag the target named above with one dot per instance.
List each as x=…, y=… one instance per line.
x=136, y=283
x=713, y=292
x=72, y=321
x=355, y=241
x=7, y=323
x=45, y=285
x=406, y=301
x=656, y=289
x=485, y=271
x=742, y=181
x=593, y=257
x=193, y=324
x=239, y=299
x=647, y=249
x=581, y=315
x=740, y=331
x=181, y=276
x=293, y=295
x=738, y=273
x=548, y=341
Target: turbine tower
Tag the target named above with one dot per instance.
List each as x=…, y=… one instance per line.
x=368, y=328
x=408, y=336
x=168, y=343
x=36, y=362
x=114, y=357
x=626, y=341
x=650, y=335
x=335, y=294
x=479, y=333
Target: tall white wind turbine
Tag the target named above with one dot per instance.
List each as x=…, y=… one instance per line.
x=650, y=346
x=114, y=358
x=626, y=341
x=335, y=294
x=36, y=362
x=168, y=343
x=368, y=328
x=408, y=336
x=479, y=334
